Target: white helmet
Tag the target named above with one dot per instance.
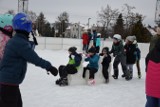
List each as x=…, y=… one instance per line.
x=98, y=34
x=117, y=36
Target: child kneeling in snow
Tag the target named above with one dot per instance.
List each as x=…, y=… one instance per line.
x=70, y=68
x=93, y=59
x=105, y=63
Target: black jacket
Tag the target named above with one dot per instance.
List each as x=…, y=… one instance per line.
x=130, y=53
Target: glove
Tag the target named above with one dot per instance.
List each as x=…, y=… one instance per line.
x=53, y=70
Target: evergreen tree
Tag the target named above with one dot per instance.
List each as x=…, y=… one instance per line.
x=140, y=31
x=40, y=22
x=119, y=26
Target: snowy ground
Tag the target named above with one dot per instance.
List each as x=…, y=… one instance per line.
x=39, y=89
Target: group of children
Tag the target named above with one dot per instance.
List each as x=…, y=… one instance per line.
x=127, y=55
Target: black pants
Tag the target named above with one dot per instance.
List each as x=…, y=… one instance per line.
x=119, y=59
x=105, y=72
x=65, y=70
x=92, y=71
x=10, y=96
x=97, y=49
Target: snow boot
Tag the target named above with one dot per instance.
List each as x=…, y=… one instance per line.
x=123, y=75
x=58, y=81
x=115, y=77
x=91, y=82
x=63, y=82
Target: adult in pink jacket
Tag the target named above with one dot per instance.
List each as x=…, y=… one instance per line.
x=153, y=77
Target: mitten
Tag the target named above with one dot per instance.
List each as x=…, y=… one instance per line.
x=53, y=70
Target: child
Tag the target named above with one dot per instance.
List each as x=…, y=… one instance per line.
x=98, y=42
x=71, y=68
x=130, y=50
x=93, y=59
x=120, y=57
x=153, y=76
x=17, y=53
x=138, y=57
x=6, y=31
x=85, y=38
x=105, y=63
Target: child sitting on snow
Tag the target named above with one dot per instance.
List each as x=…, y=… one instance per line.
x=93, y=59
x=105, y=63
x=70, y=68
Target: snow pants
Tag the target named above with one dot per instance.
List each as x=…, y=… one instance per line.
x=105, y=72
x=119, y=59
x=152, y=102
x=65, y=70
x=92, y=71
x=10, y=96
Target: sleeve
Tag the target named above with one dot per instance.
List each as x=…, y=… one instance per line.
x=147, y=60
x=31, y=56
x=77, y=61
x=112, y=50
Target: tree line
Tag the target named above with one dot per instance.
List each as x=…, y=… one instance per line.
x=110, y=21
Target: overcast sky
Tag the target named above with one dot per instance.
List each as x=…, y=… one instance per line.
x=81, y=10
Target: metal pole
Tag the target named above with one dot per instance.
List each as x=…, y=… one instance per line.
x=88, y=22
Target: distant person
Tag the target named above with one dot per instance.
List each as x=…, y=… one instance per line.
x=90, y=38
x=94, y=37
x=120, y=56
x=93, y=59
x=154, y=38
x=98, y=42
x=85, y=39
x=71, y=68
x=130, y=50
x=153, y=77
x=105, y=63
x=6, y=31
x=17, y=53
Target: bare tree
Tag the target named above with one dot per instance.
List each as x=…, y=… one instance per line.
x=32, y=16
x=107, y=16
x=63, y=18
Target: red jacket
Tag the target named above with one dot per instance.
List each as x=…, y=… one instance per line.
x=85, y=38
x=153, y=74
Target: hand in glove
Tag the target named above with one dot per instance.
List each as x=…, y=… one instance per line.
x=53, y=70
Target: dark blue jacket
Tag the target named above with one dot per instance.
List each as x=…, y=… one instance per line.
x=17, y=53
x=93, y=61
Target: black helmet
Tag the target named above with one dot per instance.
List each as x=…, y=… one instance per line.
x=72, y=49
x=106, y=49
x=92, y=50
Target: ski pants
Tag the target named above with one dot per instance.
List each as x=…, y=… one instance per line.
x=119, y=59
x=105, y=72
x=152, y=102
x=97, y=49
x=65, y=70
x=92, y=71
x=85, y=47
x=10, y=96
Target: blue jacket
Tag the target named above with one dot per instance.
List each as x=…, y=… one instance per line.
x=17, y=53
x=93, y=61
x=98, y=42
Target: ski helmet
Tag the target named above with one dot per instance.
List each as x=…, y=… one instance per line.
x=117, y=37
x=21, y=21
x=6, y=20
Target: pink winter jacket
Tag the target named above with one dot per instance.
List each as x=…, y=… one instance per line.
x=3, y=40
x=153, y=79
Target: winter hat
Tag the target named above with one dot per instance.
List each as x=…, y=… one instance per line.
x=72, y=49
x=117, y=37
x=130, y=38
x=92, y=50
x=98, y=34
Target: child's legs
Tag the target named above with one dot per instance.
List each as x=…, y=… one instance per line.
x=152, y=102
x=92, y=71
x=10, y=96
x=115, y=66
x=138, y=66
x=123, y=63
x=71, y=69
x=62, y=72
x=105, y=72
